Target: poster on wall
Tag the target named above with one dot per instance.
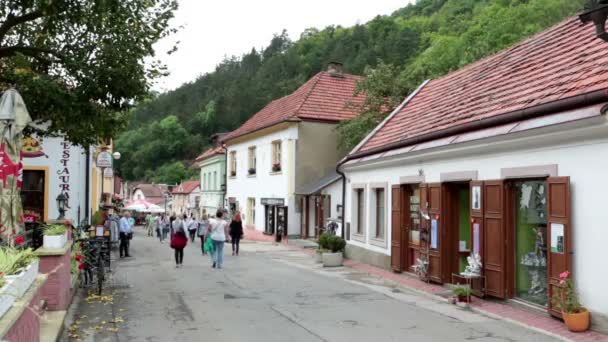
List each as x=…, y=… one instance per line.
x=476, y=197
x=476, y=238
x=557, y=238
x=415, y=237
x=434, y=234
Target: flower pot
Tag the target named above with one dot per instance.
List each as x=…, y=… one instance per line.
x=464, y=299
x=22, y=281
x=7, y=298
x=332, y=259
x=319, y=257
x=54, y=241
x=577, y=322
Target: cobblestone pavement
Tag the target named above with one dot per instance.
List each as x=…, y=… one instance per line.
x=268, y=293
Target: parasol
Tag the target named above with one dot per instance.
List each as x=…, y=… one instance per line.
x=143, y=206
x=14, y=117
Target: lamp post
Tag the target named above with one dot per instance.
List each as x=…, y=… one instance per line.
x=62, y=200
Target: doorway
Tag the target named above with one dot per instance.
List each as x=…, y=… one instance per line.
x=458, y=227
x=411, y=222
x=251, y=211
x=529, y=203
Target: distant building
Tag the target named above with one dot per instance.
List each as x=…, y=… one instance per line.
x=186, y=198
x=153, y=193
x=213, y=176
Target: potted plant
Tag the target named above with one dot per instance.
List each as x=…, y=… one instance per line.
x=565, y=299
x=55, y=237
x=334, y=257
x=251, y=171
x=463, y=293
x=322, y=247
x=276, y=167
x=20, y=267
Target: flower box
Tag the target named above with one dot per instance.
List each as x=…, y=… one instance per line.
x=7, y=298
x=276, y=167
x=55, y=241
x=22, y=281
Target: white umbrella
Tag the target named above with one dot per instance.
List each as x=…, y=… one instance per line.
x=143, y=206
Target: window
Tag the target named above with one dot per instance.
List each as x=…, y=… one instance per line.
x=360, y=201
x=380, y=213
x=197, y=201
x=233, y=164
x=252, y=161
x=214, y=180
x=276, y=156
x=205, y=181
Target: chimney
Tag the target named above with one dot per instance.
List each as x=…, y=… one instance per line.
x=335, y=68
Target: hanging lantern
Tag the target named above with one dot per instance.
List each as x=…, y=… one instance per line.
x=62, y=204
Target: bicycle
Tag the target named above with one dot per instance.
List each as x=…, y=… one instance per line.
x=95, y=259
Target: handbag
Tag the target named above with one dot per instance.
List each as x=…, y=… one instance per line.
x=178, y=240
x=208, y=247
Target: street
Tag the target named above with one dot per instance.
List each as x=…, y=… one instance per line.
x=268, y=293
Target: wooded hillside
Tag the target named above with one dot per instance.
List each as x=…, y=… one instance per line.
x=396, y=52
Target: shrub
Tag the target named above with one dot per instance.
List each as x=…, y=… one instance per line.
x=335, y=243
x=54, y=230
x=323, y=244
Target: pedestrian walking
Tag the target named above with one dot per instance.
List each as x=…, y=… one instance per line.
x=179, y=240
x=150, y=224
x=172, y=218
x=236, y=232
x=192, y=225
x=158, y=224
x=125, y=235
x=203, y=229
x=218, y=234
x=166, y=228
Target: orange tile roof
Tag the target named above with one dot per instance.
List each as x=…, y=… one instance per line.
x=564, y=61
x=325, y=97
x=210, y=153
x=186, y=187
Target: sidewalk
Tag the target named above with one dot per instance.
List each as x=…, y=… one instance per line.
x=531, y=320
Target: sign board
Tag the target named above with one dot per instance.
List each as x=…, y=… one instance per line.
x=108, y=172
x=273, y=201
x=557, y=238
x=104, y=159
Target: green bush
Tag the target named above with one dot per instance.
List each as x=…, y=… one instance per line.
x=335, y=243
x=54, y=230
x=323, y=241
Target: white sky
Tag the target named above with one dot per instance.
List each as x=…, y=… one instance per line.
x=214, y=29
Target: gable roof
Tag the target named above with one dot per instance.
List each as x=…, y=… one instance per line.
x=325, y=97
x=560, y=63
x=210, y=153
x=186, y=187
x=152, y=190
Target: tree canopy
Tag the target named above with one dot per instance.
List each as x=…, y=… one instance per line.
x=396, y=52
x=79, y=64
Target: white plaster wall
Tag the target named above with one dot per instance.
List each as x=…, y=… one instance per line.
x=211, y=196
x=580, y=152
x=265, y=184
x=76, y=166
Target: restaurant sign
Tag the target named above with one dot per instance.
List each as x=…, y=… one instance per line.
x=273, y=201
x=104, y=159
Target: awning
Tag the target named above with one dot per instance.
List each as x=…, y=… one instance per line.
x=317, y=185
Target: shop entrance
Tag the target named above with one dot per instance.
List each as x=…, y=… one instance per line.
x=457, y=227
x=529, y=203
x=412, y=225
x=275, y=216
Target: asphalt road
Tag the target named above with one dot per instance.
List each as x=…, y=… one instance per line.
x=267, y=294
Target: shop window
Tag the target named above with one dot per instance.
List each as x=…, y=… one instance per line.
x=233, y=164
x=252, y=161
x=32, y=195
x=276, y=156
x=380, y=212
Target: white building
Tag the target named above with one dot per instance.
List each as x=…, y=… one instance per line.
x=504, y=158
x=186, y=198
x=212, y=163
x=283, y=147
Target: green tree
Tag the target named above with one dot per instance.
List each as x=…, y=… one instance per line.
x=170, y=173
x=78, y=63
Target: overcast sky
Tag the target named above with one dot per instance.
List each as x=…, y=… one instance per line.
x=217, y=28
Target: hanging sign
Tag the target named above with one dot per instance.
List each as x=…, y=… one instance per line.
x=557, y=238
x=108, y=172
x=273, y=201
x=104, y=159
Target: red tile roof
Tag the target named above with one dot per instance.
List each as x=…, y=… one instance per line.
x=152, y=190
x=186, y=187
x=561, y=62
x=325, y=97
x=210, y=153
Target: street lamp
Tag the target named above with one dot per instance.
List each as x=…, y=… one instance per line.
x=107, y=164
x=62, y=203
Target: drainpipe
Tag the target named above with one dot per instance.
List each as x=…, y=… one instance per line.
x=341, y=173
x=87, y=184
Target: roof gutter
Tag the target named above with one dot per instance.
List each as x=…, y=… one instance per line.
x=569, y=103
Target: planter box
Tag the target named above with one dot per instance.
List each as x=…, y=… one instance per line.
x=318, y=257
x=332, y=259
x=54, y=241
x=21, y=282
x=7, y=298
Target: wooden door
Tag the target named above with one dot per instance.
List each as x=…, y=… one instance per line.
x=396, y=229
x=435, y=238
x=423, y=251
x=559, y=234
x=494, y=233
x=476, y=203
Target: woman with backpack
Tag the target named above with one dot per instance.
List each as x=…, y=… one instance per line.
x=236, y=232
x=179, y=240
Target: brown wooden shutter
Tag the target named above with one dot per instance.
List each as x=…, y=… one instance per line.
x=494, y=232
x=477, y=216
x=435, y=266
x=558, y=224
x=396, y=245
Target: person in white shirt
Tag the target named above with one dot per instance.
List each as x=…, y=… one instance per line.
x=125, y=230
x=219, y=234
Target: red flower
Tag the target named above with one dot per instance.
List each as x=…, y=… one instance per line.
x=19, y=240
x=68, y=223
x=78, y=257
x=564, y=275
x=81, y=266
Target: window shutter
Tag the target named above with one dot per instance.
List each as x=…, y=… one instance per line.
x=559, y=234
x=493, y=198
x=476, y=205
x=396, y=245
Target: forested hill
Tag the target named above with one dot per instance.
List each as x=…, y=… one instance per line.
x=396, y=52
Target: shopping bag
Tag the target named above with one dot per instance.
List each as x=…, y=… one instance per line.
x=209, y=246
